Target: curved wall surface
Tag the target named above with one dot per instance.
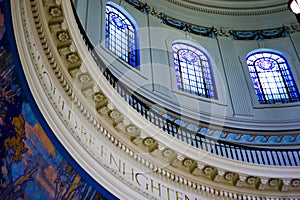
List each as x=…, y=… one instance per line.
x=188, y=116
x=237, y=109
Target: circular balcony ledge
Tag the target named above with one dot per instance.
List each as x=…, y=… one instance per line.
x=248, y=130
x=65, y=80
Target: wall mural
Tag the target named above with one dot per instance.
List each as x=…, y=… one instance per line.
x=31, y=165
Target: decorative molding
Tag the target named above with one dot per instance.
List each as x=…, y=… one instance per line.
x=214, y=32
x=84, y=106
x=223, y=10
x=229, y=134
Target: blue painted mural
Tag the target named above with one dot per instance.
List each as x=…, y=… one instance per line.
x=33, y=164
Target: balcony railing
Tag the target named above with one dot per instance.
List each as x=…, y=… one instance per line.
x=167, y=122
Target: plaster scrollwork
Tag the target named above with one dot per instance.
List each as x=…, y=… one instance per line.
x=55, y=12
x=253, y=181
x=189, y=164
x=63, y=36
x=295, y=183
x=170, y=156
x=133, y=131
x=292, y=28
x=150, y=144
x=274, y=183
x=70, y=56
x=229, y=176
x=224, y=32
x=210, y=172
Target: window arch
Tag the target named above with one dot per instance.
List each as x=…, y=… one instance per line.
x=193, y=70
x=271, y=77
x=121, y=34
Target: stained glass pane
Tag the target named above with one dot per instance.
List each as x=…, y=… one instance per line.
x=121, y=36
x=272, y=80
x=193, y=71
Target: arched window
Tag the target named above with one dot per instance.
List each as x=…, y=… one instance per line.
x=271, y=77
x=193, y=70
x=121, y=36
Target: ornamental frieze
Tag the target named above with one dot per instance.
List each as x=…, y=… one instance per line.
x=214, y=32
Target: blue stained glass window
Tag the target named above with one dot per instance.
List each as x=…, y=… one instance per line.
x=121, y=36
x=193, y=71
x=272, y=79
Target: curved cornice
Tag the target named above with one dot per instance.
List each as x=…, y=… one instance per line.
x=93, y=122
x=236, y=8
x=213, y=32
